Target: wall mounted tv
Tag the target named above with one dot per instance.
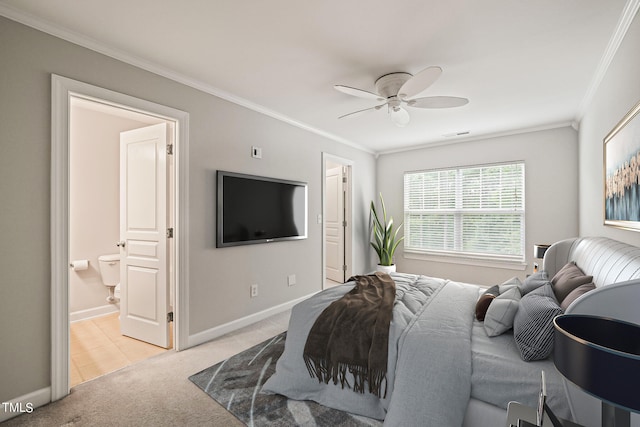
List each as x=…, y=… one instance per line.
x=254, y=209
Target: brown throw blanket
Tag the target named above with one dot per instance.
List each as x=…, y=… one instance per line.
x=353, y=333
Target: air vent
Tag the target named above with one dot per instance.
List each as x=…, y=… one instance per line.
x=450, y=135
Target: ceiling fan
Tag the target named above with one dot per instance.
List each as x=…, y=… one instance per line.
x=398, y=89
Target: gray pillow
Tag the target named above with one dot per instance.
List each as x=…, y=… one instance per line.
x=533, y=323
x=499, y=317
x=574, y=294
x=567, y=279
x=534, y=281
x=514, y=281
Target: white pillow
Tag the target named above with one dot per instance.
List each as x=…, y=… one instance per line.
x=501, y=312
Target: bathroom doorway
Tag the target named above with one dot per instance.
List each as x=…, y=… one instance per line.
x=98, y=343
x=64, y=91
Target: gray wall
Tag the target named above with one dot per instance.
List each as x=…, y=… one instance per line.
x=617, y=94
x=221, y=134
x=551, y=192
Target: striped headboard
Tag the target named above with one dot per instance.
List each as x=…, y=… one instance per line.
x=615, y=267
x=607, y=260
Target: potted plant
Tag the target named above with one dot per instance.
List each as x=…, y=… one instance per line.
x=385, y=241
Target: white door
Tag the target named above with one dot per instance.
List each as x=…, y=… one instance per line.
x=144, y=246
x=334, y=224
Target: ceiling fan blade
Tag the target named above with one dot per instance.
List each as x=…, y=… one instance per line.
x=399, y=116
x=437, y=102
x=358, y=92
x=359, y=112
x=419, y=82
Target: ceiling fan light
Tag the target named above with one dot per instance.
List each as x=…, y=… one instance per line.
x=399, y=116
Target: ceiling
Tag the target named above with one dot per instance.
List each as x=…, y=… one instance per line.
x=525, y=64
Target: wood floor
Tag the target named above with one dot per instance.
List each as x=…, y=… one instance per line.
x=98, y=348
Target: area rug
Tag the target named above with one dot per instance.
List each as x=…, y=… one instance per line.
x=235, y=383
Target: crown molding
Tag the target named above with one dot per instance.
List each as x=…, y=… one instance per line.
x=626, y=18
x=96, y=46
x=482, y=137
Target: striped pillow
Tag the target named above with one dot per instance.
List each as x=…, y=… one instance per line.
x=533, y=323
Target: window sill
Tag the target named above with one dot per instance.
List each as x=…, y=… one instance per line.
x=466, y=260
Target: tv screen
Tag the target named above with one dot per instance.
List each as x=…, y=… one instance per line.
x=253, y=209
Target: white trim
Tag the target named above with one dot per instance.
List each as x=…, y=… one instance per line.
x=628, y=14
x=100, y=47
x=91, y=313
x=62, y=91
x=465, y=260
x=59, y=239
x=32, y=400
x=218, y=331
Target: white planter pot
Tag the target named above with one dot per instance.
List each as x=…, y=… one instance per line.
x=386, y=268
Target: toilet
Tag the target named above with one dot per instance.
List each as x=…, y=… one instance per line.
x=110, y=273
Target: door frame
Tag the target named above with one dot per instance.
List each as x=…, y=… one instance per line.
x=348, y=241
x=62, y=89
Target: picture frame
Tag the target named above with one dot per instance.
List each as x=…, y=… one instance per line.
x=622, y=173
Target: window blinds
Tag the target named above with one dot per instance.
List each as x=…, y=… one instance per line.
x=476, y=210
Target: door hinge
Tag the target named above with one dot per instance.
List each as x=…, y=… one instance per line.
x=344, y=267
x=344, y=224
x=170, y=149
x=170, y=233
x=170, y=316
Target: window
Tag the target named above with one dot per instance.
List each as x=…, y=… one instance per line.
x=473, y=211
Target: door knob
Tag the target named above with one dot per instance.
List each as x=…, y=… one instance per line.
x=120, y=244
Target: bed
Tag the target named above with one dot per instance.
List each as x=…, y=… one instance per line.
x=444, y=368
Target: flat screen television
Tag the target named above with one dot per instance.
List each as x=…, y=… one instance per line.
x=255, y=209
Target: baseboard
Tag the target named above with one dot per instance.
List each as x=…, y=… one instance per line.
x=24, y=404
x=210, y=334
x=93, y=312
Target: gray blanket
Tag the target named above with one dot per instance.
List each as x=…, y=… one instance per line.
x=429, y=338
x=437, y=344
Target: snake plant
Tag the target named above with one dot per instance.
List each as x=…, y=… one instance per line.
x=384, y=239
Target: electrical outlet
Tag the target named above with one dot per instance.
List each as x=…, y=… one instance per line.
x=291, y=279
x=254, y=290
